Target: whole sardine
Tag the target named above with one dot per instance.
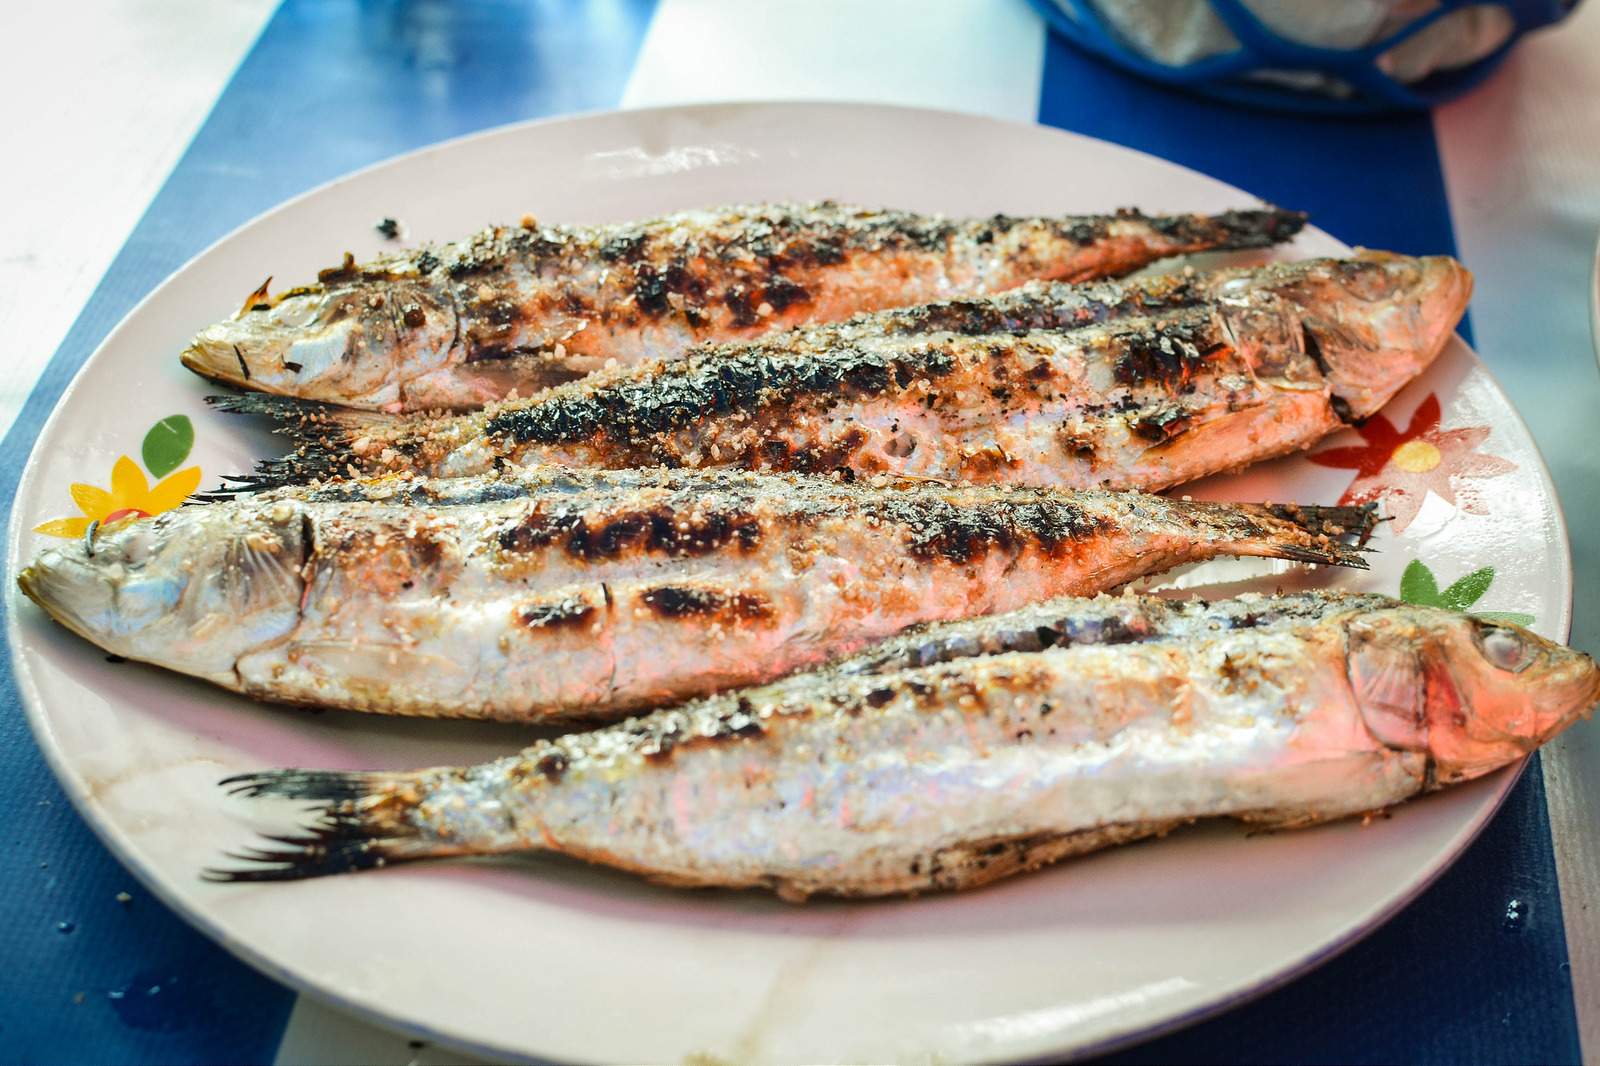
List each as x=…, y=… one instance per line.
x=521, y=307
x=554, y=595
x=962, y=754
x=1170, y=379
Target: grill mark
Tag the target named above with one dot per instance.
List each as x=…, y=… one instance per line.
x=554, y=614
x=937, y=527
x=693, y=601
x=683, y=396
x=656, y=530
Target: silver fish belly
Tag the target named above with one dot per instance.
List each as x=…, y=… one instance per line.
x=549, y=595
x=1163, y=380
x=455, y=326
x=1027, y=738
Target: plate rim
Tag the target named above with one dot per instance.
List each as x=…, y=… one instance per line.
x=124, y=850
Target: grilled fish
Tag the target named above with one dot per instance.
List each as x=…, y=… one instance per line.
x=457, y=325
x=961, y=754
x=1137, y=384
x=550, y=595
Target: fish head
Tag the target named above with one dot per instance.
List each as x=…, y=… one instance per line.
x=1371, y=322
x=1473, y=694
x=190, y=589
x=352, y=343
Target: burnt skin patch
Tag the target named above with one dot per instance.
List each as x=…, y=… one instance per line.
x=552, y=765
x=661, y=529
x=660, y=736
x=1162, y=423
x=553, y=614
x=694, y=601
x=1231, y=229
x=726, y=380
x=937, y=527
x=1167, y=352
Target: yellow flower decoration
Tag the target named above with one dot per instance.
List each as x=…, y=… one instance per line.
x=131, y=495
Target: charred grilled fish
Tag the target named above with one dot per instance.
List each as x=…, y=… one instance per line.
x=458, y=325
x=961, y=754
x=556, y=595
x=1164, y=379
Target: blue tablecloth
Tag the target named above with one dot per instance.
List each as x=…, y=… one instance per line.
x=1473, y=971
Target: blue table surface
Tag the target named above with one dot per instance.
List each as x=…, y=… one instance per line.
x=1475, y=970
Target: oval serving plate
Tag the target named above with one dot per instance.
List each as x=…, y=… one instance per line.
x=547, y=958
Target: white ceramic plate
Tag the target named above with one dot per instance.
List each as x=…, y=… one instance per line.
x=546, y=958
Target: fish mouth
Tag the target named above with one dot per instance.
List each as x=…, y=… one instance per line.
x=61, y=597
x=217, y=361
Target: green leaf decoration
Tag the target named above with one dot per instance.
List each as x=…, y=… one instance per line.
x=167, y=445
x=1504, y=616
x=1417, y=585
x=1468, y=590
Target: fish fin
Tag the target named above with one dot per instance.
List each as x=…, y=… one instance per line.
x=323, y=434
x=1314, y=535
x=360, y=826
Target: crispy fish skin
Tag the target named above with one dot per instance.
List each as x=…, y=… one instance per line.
x=874, y=778
x=554, y=595
x=1140, y=384
x=458, y=325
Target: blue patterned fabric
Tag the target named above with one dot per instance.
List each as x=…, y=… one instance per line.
x=1260, y=48
x=1461, y=976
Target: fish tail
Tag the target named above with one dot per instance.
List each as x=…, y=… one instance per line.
x=1230, y=230
x=325, y=439
x=361, y=823
x=1309, y=534
x=1356, y=520
x=1325, y=528
x=1259, y=229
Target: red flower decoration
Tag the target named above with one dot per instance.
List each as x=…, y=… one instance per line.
x=1400, y=468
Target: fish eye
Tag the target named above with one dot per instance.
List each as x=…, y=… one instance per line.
x=1506, y=649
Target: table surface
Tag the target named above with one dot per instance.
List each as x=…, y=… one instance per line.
x=175, y=120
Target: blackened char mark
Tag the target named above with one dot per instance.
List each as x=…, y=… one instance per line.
x=653, y=289
x=627, y=246
x=1162, y=423
x=681, y=396
x=1107, y=630
x=1166, y=352
x=1059, y=306
x=937, y=527
x=1231, y=229
x=776, y=292
x=552, y=764
x=1080, y=230
x=659, y=737
x=554, y=614
x=694, y=601
x=661, y=529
